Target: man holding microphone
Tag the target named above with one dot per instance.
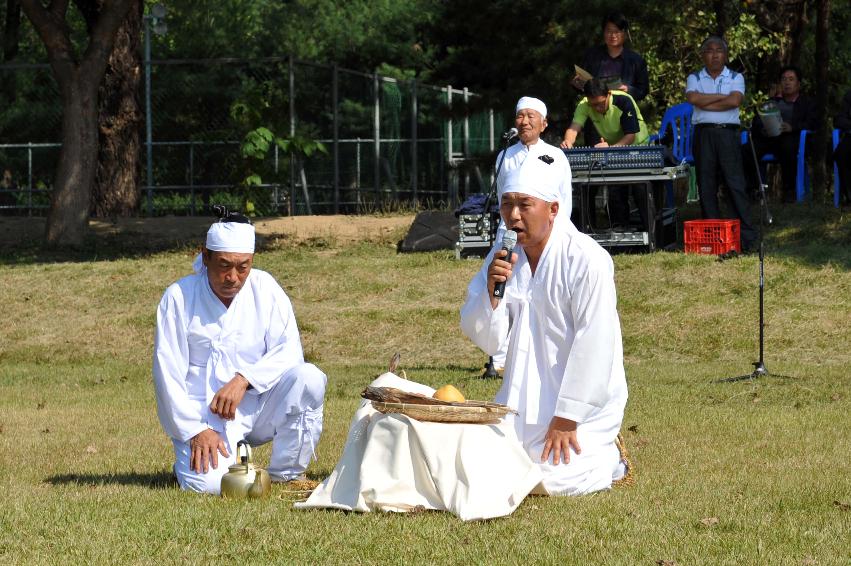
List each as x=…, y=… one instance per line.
x=564, y=372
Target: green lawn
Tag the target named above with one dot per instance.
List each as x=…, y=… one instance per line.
x=754, y=472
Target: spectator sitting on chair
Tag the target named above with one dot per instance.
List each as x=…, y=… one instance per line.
x=716, y=92
x=618, y=122
x=842, y=153
x=798, y=112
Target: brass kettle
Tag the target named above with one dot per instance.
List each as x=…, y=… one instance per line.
x=243, y=480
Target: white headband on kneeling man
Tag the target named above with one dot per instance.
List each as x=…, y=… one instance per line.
x=235, y=237
x=537, y=177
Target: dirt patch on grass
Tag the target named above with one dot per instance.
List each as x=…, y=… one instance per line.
x=174, y=230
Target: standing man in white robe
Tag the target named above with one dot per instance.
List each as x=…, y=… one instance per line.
x=228, y=366
x=564, y=372
x=530, y=119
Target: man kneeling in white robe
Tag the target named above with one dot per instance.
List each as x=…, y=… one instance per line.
x=228, y=365
x=564, y=368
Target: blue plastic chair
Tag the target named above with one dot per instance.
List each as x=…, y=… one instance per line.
x=802, y=177
x=835, y=171
x=678, y=119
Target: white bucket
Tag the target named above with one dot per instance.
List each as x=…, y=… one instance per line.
x=769, y=113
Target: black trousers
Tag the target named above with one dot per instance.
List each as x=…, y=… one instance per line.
x=842, y=156
x=718, y=156
x=785, y=150
x=619, y=205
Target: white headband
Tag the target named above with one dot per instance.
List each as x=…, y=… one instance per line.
x=532, y=103
x=236, y=237
x=536, y=177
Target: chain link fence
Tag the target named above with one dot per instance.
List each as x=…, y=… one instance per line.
x=387, y=143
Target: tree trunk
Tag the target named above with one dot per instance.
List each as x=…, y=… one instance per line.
x=11, y=40
x=789, y=18
x=68, y=215
x=822, y=84
x=721, y=21
x=12, y=30
x=120, y=121
x=78, y=79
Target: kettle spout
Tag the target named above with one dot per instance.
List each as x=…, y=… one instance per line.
x=261, y=487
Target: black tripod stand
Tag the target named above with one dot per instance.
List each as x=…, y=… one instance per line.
x=490, y=371
x=764, y=218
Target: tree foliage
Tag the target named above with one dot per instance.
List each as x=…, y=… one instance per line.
x=670, y=58
x=358, y=34
x=499, y=48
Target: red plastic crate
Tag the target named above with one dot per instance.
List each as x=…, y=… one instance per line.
x=713, y=237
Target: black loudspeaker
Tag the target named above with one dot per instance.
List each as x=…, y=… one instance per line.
x=431, y=230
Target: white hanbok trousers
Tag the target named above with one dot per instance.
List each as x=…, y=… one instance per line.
x=594, y=469
x=289, y=415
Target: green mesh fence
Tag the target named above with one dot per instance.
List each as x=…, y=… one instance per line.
x=386, y=141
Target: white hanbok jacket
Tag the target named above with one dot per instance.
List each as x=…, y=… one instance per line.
x=565, y=355
x=200, y=344
x=517, y=154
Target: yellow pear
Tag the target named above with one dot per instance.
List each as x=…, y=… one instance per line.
x=449, y=393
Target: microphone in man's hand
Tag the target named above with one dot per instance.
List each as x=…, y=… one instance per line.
x=509, y=240
x=510, y=134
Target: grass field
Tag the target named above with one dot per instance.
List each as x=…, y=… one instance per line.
x=754, y=472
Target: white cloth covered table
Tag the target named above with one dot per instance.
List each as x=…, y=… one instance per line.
x=396, y=463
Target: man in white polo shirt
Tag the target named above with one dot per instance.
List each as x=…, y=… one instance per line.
x=716, y=92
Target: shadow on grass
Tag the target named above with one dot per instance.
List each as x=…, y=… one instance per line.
x=127, y=245
x=132, y=245
x=813, y=234
x=157, y=480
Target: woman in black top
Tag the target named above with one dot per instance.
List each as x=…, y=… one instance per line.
x=618, y=66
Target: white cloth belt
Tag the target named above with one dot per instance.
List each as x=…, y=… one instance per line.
x=525, y=377
x=218, y=372
x=304, y=426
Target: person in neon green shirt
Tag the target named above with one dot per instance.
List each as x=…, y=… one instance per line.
x=614, y=114
x=619, y=122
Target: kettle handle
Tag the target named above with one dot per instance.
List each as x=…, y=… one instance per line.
x=247, y=451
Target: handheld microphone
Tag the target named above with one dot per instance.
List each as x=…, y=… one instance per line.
x=510, y=134
x=509, y=240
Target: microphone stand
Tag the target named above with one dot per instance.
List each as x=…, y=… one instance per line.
x=490, y=372
x=492, y=191
x=764, y=218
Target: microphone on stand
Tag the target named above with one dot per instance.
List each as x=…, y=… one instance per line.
x=506, y=141
x=509, y=240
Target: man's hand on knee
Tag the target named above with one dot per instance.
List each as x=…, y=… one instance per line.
x=228, y=398
x=206, y=446
x=560, y=437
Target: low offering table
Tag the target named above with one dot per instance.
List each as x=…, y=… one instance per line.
x=395, y=462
